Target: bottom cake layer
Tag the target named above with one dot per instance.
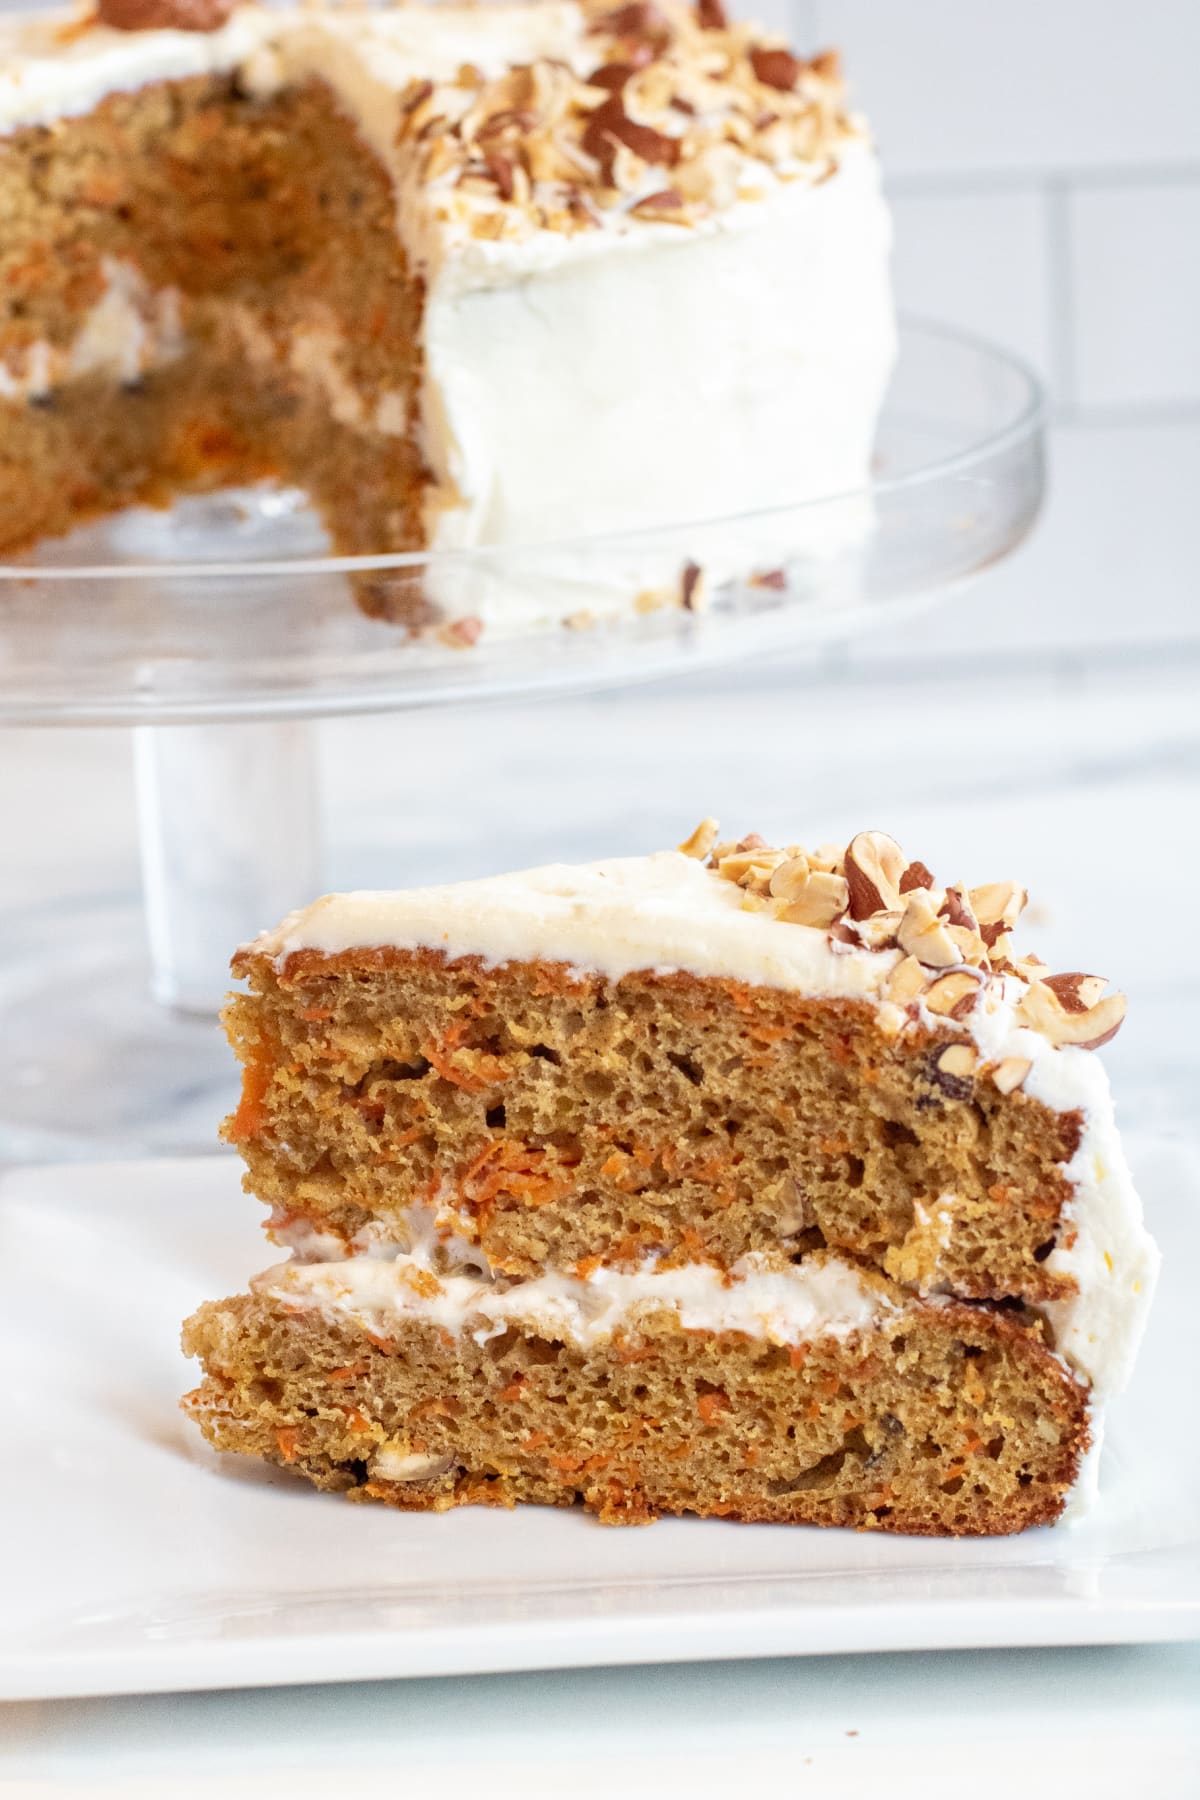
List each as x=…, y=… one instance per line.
x=939, y=1419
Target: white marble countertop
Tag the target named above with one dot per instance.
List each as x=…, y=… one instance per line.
x=980, y=1726
x=1083, y=784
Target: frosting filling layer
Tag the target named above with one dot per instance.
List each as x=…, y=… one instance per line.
x=819, y=1298
x=131, y=329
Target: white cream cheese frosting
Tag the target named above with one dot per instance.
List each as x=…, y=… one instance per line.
x=664, y=911
x=54, y=66
x=815, y=1299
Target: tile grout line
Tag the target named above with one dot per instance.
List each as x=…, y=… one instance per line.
x=1116, y=175
x=1056, y=224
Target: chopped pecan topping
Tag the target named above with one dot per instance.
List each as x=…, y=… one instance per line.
x=1010, y=1073
x=821, y=901
x=953, y=1069
x=906, y=981
x=923, y=933
x=1076, y=993
x=1087, y=1027
x=728, y=111
x=776, y=68
x=701, y=840
x=915, y=876
x=950, y=947
x=955, y=994
x=610, y=125
x=874, y=865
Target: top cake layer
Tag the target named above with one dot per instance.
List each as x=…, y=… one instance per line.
x=516, y=134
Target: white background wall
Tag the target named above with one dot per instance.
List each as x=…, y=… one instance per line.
x=1043, y=159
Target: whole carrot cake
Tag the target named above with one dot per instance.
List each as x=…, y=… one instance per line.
x=752, y=1182
x=468, y=275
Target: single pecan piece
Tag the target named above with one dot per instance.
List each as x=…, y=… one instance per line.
x=874, y=864
x=701, y=840
x=1011, y=1072
x=1076, y=992
x=611, y=125
x=915, y=876
x=776, y=68
x=821, y=902
x=923, y=935
x=1086, y=1028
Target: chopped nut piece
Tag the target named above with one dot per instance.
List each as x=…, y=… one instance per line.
x=702, y=839
x=393, y=1463
x=924, y=935
x=776, y=68
x=547, y=147
x=611, y=125
x=1076, y=992
x=1010, y=1073
x=692, y=588
x=890, y=1019
x=961, y=988
x=790, y=878
x=957, y=908
x=953, y=1071
x=906, y=981
x=751, y=868
x=879, y=931
x=822, y=901
x=997, y=907
x=971, y=947
x=915, y=876
x=827, y=857
x=874, y=864
x=1042, y=1008
x=667, y=206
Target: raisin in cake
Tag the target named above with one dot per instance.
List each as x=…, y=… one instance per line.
x=764, y=1184
x=468, y=275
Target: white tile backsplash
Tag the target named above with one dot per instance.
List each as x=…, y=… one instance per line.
x=980, y=261
x=1135, y=281
x=967, y=87
x=1111, y=567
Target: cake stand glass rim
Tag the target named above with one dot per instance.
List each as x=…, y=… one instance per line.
x=1027, y=418
x=229, y=609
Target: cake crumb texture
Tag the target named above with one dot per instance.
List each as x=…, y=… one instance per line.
x=949, y=1420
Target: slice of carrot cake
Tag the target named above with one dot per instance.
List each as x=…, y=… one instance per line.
x=761, y=1183
x=502, y=274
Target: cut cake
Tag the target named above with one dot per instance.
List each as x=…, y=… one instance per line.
x=765, y=1184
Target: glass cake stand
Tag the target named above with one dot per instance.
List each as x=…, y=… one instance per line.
x=219, y=629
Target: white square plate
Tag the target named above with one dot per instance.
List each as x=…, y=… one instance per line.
x=139, y=1561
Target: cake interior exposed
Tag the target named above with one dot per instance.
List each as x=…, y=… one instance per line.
x=496, y=275
x=771, y=1184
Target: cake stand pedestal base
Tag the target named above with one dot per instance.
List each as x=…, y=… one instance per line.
x=111, y=1045
x=91, y=1064
x=219, y=629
